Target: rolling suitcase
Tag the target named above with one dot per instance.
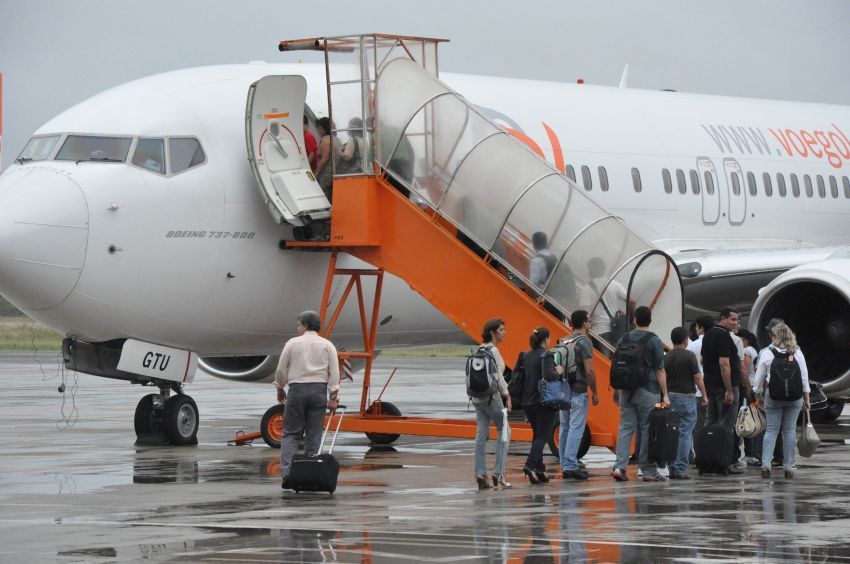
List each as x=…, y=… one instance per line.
x=317, y=473
x=663, y=435
x=715, y=449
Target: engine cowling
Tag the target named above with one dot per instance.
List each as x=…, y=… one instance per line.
x=814, y=300
x=240, y=368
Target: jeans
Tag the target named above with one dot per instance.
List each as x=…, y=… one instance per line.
x=634, y=414
x=303, y=416
x=685, y=405
x=780, y=415
x=488, y=412
x=572, y=430
x=542, y=420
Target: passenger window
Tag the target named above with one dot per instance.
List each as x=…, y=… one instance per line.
x=680, y=180
x=636, y=180
x=184, y=153
x=586, y=179
x=768, y=185
x=603, y=178
x=94, y=148
x=795, y=185
x=150, y=155
x=751, y=181
x=833, y=186
x=821, y=187
x=808, y=182
x=709, y=183
x=695, y=182
x=736, y=184
x=668, y=182
x=780, y=182
x=846, y=187
x=38, y=149
x=570, y=172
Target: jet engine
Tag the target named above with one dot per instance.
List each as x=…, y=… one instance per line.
x=814, y=300
x=240, y=368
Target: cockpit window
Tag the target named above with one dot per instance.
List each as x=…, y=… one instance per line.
x=150, y=154
x=38, y=148
x=184, y=153
x=94, y=148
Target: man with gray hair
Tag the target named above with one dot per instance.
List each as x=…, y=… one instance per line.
x=310, y=365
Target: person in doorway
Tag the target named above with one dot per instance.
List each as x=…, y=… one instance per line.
x=329, y=149
x=581, y=377
x=309, y=365
x=635, y=406
x=752, y=445
x=540, y=417
x=781, y=414
x=722, y=368
x=683, y=377
x=493, y=410
x=311, y=146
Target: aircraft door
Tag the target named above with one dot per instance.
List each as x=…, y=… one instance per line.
x=275, y=140
x=735, y=191
x=710, y=191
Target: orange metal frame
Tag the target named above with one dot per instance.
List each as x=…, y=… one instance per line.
x=374, y=222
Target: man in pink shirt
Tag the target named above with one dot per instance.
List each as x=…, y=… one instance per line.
x=310, y=366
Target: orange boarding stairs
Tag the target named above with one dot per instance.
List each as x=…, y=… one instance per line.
x=452, y=210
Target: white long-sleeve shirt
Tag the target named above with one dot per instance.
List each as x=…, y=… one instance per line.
x=308, y=359
x=765, y=359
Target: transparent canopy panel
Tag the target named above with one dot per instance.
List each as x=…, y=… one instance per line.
x=555, y=240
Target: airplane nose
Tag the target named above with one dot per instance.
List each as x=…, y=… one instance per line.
x=44, y=228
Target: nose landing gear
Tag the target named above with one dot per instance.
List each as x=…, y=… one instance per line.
x=163, y=420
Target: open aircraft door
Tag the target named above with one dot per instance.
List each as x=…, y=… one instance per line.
x=275, y=139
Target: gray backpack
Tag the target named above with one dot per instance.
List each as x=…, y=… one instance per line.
x=482, y=374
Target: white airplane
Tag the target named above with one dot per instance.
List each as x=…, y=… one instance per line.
x=132, y=223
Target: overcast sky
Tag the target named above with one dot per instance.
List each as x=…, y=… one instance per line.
x=56, y=53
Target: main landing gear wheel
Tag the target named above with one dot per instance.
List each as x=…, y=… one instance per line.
x=180, y=420
x=272, y=425
x=384, y=408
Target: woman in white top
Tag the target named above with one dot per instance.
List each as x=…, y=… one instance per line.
x=492, y=410
x=781, y=414
x=752, y=445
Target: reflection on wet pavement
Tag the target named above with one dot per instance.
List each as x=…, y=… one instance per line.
x=87, y=495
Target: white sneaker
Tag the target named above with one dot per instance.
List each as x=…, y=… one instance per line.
x=640, y=473
x=664, y=471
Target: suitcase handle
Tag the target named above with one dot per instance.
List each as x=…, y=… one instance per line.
x=341, y=410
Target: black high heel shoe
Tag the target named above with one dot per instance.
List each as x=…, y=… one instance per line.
x=541, y=477
x=530, y=474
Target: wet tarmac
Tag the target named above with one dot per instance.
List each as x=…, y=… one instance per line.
x=84, y=493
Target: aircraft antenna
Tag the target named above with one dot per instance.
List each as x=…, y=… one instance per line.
x=624, y=78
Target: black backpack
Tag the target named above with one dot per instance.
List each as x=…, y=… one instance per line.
x=628, y=369
x=482, y=375
x=786, y=379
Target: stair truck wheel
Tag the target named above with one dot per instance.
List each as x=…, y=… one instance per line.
x=584, y=446
x=272, y=425
x=180, y=420
x=385, y=408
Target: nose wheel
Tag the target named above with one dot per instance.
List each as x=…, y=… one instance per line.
x=163, y=420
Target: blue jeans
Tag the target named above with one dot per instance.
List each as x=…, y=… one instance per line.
x=572, y=430
x=634, y=413
x=780, y=415
x=488, y=412
x=685, y=405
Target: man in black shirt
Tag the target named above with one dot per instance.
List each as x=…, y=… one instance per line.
x=683, y=377
x=722, y=371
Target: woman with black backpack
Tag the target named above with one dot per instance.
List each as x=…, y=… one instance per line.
x=540, y=417
x=782, y=386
